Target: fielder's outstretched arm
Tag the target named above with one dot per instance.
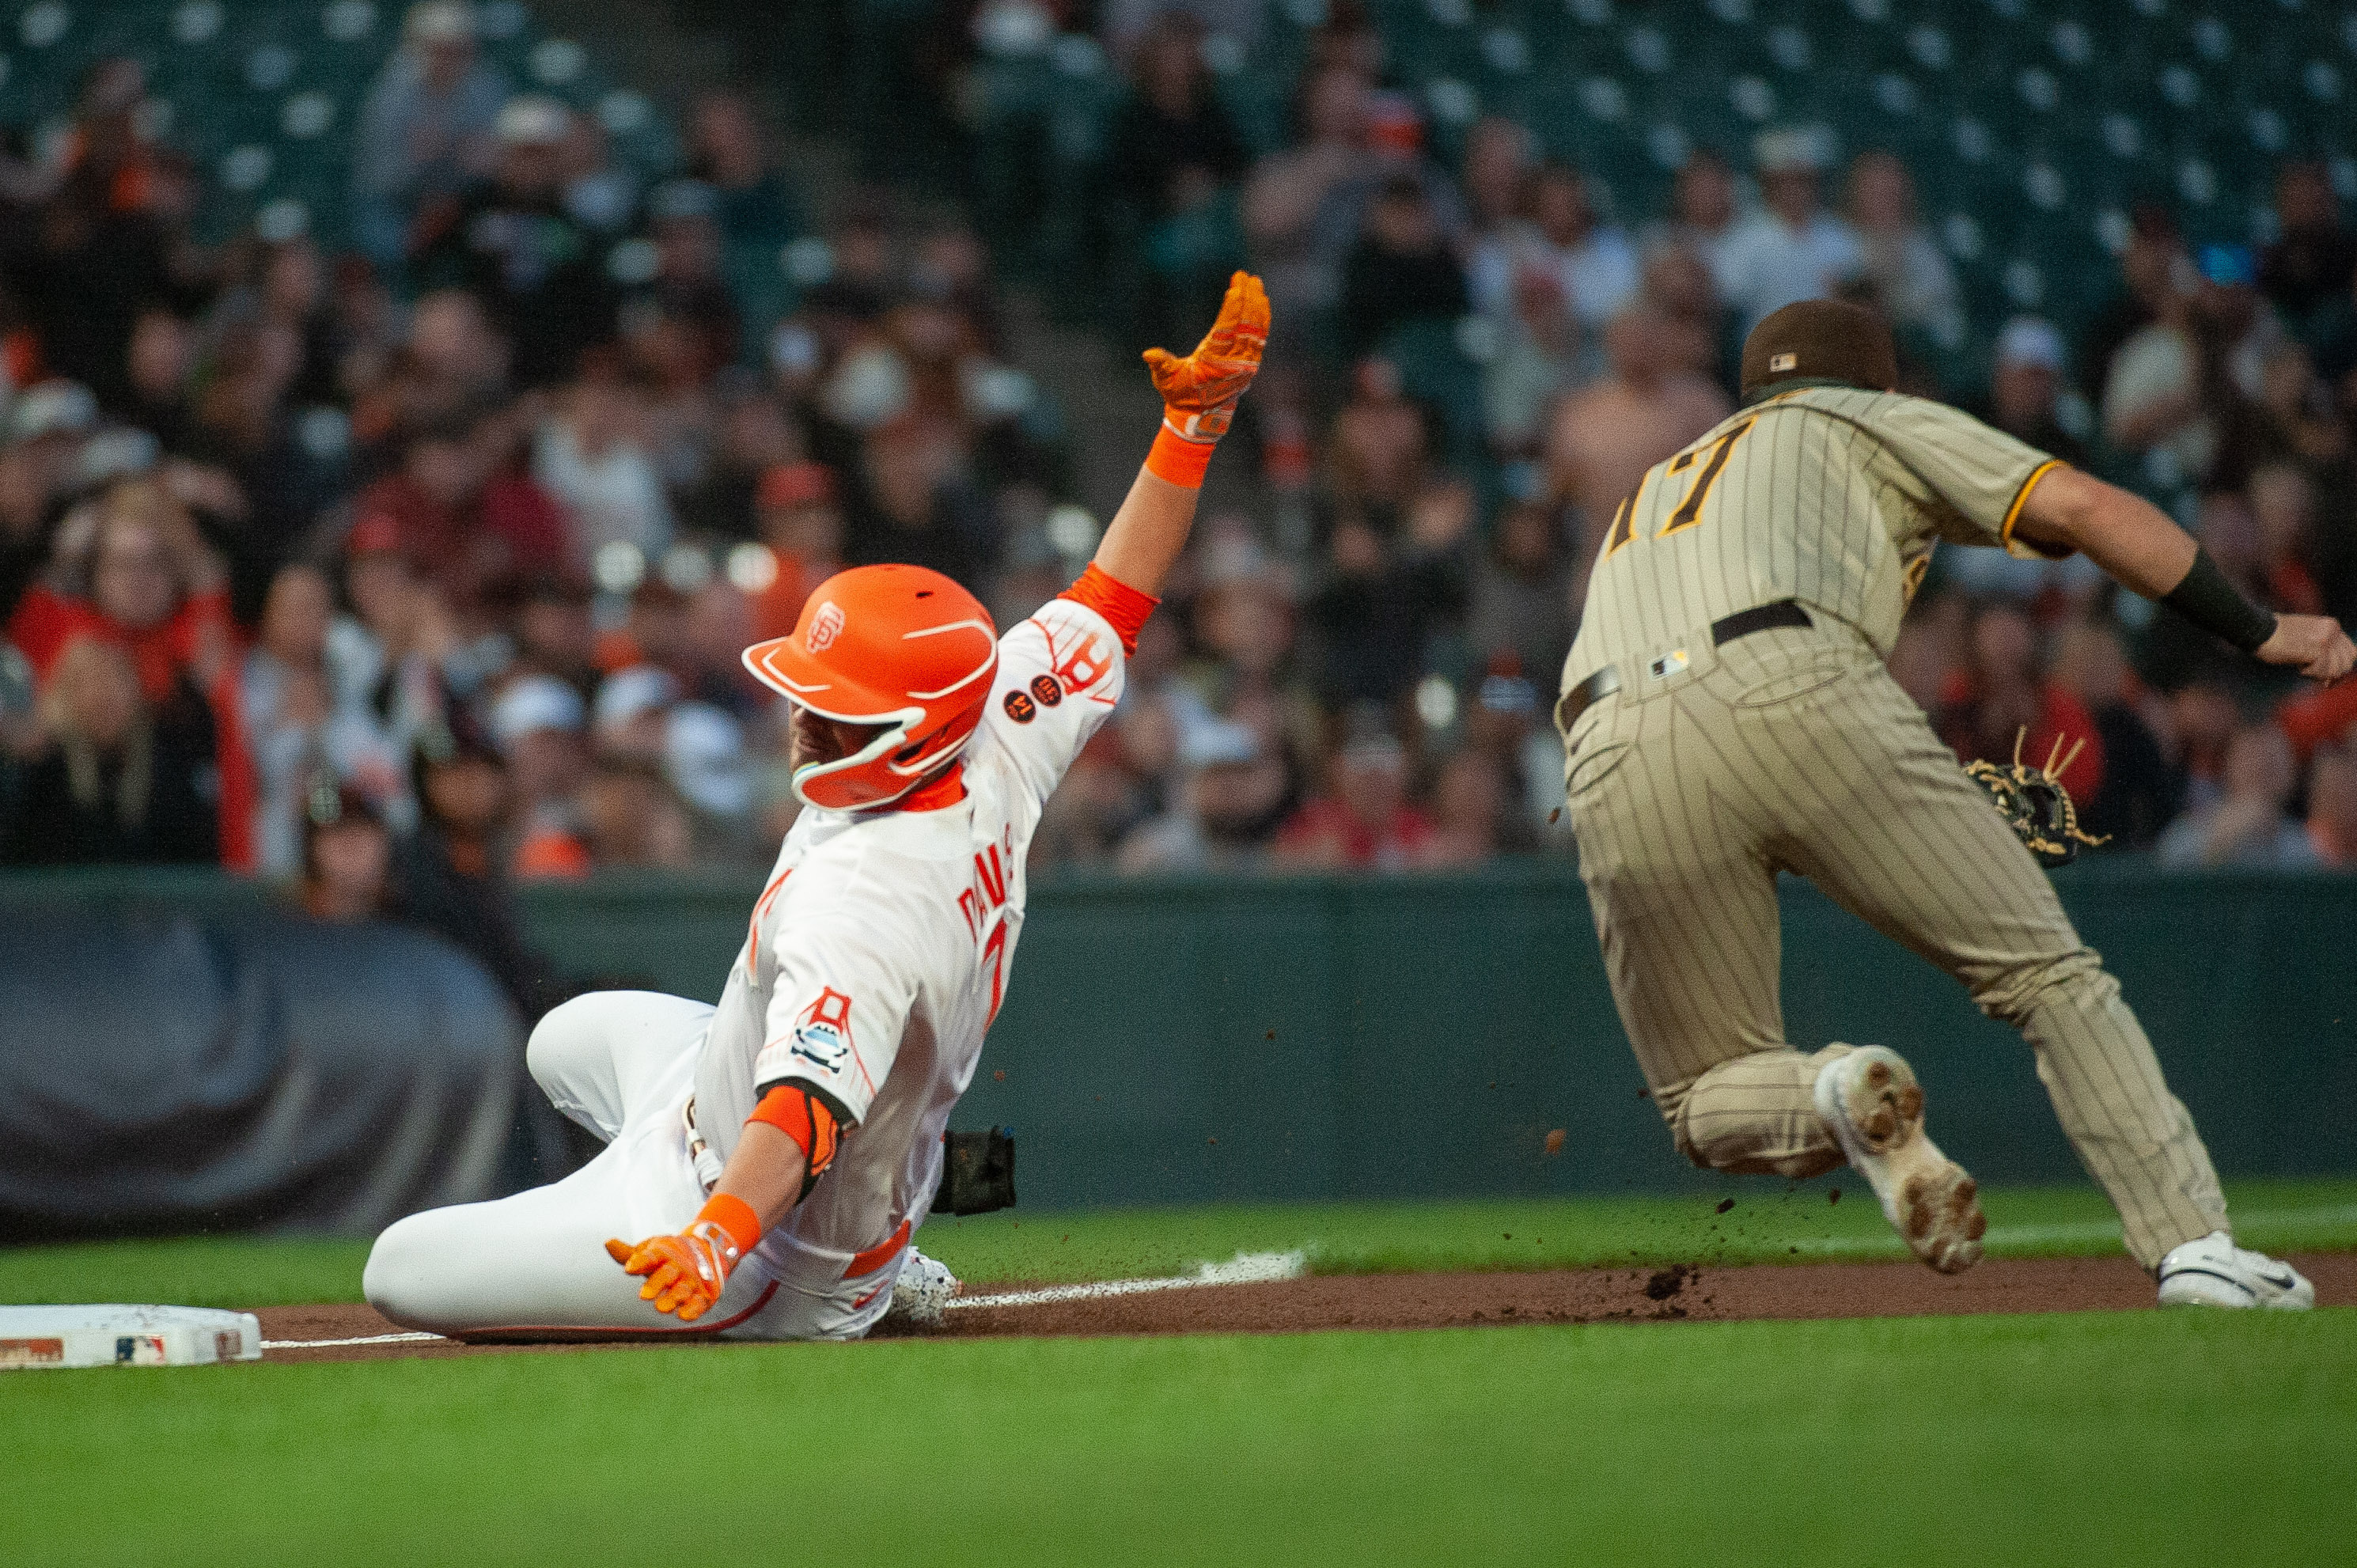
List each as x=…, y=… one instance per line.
x=2139, y=546
x=1198, y=402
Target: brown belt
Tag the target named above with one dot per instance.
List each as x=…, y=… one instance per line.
x=1742, y=623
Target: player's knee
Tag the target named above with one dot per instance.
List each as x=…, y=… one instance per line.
x=2012, y=992
x=398, y=1277
x=565, y=1033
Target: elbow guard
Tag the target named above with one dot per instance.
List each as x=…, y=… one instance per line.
x=809, y=1121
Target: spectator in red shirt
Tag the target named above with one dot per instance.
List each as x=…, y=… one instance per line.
x=160, y=593
x=1366, y=822
x=2001, y=692
x=462, y=523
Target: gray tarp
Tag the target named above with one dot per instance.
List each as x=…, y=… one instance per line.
x=164, y=1071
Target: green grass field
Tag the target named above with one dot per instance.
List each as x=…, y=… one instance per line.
x=1766, y=1226
x=2121, y=1437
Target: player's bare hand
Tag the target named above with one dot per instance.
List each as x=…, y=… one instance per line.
x=1200, y=392
x=684, y=1274
x=2313, y=645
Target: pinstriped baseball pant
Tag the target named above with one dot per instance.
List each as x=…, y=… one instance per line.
x=1794, y=750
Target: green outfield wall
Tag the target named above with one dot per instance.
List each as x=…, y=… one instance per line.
x=1171, y=1041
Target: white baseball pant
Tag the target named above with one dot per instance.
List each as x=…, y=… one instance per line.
x=622, y=1064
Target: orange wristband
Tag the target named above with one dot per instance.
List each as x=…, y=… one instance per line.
x=735, y=1216
x=1178, y=461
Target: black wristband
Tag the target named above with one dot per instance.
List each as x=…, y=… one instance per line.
x=2217, y=607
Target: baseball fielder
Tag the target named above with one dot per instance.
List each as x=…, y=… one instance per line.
x=776, y=1152
x=1726, y=715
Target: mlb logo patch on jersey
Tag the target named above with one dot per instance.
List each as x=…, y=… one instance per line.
x=1668, y=664
x=822, y=1034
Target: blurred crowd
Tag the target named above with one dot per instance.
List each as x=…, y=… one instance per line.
x=407, y=564
x=1478, y=355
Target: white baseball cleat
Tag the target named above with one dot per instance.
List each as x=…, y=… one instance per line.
x=1874, y=1106
x=921, y=1290
x=2211, y=1270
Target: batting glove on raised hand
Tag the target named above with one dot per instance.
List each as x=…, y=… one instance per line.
x=685, y=1274
x=1200, y=392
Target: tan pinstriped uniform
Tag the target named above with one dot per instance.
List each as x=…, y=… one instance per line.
x=1791, y=749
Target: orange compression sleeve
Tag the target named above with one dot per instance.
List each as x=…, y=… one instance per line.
x=804, y=1117
x=1120, y=604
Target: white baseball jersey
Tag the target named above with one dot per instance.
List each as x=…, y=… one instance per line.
x=881, y=948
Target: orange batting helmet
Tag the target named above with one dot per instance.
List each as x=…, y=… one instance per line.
x=898, y=646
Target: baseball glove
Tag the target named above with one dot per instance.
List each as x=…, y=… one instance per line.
x=2034, y=804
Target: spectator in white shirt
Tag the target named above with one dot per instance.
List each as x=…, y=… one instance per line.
x=1917, y=286
x=1563, y=236
x=424, y=130
x=1791, y=249
x=593, y=457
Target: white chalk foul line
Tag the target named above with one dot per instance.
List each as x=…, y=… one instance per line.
x=1246, y=1268
x=338, y=1344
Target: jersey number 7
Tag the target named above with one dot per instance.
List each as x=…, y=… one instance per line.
x=1689, y=511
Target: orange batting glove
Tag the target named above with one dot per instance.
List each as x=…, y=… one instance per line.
x=685, y=1273
x=1200, y=392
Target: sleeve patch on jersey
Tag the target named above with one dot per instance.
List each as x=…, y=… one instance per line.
x=822, y=1033
x=1045, y=688
x=1020, y=707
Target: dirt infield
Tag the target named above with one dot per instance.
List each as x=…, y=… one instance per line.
x=1461, y=1301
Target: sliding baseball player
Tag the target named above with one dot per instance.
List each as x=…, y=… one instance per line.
x=1726, y=715
x=768, y=1160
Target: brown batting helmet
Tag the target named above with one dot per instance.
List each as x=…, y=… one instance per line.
x=1820, y=339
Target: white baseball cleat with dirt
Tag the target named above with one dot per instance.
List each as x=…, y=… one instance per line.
x=1870, y=1100
x=2211, y=1270
x=921, y=1292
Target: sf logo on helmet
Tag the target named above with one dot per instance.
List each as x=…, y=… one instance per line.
x=826, y=627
